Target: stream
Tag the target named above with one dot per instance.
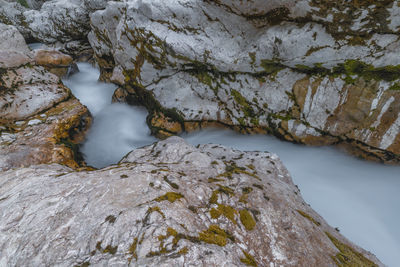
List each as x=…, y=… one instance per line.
x=361, y=198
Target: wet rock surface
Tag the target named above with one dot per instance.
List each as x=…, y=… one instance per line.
x=167, y=204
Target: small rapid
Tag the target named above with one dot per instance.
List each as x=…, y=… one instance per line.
x=360, y=198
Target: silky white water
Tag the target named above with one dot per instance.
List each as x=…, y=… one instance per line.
x=117, y=128
x=359, y=197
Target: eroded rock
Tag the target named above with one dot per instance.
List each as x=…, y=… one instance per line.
x=65, y=21
x=40, y=120
x=302, y=76
x=168, y=204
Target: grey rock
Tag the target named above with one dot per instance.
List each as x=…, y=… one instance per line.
x=208, y=61
x=168, y=204
x=51, y=21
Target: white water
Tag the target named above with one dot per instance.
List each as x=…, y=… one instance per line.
x=361, y=198
x=117, y=128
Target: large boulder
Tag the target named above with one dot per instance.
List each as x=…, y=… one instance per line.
x=167, y=204
x=50, y=21
x=40, y=120
x=303, y=70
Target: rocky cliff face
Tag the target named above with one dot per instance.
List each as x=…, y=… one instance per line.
x=306, y=71
x=168, y=204
x=40, y=121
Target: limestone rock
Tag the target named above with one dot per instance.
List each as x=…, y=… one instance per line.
x=168, y=204
x=56, y=20
x=297, y=69
x=50, y=137
x=11, y=39
x=40, y=121
x=27, y=91
x=32, y=4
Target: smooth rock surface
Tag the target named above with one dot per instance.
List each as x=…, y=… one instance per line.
x=168, y=204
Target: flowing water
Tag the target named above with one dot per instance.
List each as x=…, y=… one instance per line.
x=359, y=197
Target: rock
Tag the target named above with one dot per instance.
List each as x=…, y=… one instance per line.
x=52, y=58
x=11, y=39
x=41, y=122
x=32, y=4
x=56, y=62
x=290, y=68
x=11, y=13
x=168, y=204
x=27, y=91
x=58, y=20
x=49, y=137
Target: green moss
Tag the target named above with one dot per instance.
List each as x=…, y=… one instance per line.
x=23, y=3
x=110, y=249
x=213, y=180
x=246, y=106
x=259, y=186
x=132, y=250
x=231, y=169
x=214, y=235
x=227, y=211
x=348, y=257
x=367, y=71
x=247, y=190
x=395, y=87
x=307, y=216
x=170, y=196
x=84, y=264
x=183, y=251
x=251, y=166
x=248, y=260
x=247, y=220
x=226, y=190
x=156, y=209
x=214, y=197
x=215, y=214
x=252, y=57
x=317, y=69
x=271, y=66
x=163, y=248
x=173, y=185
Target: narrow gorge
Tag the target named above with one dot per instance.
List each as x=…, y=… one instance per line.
x=260, y=92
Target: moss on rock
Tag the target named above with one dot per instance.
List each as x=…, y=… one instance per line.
x=348, y=257
x=214, y=235
x=170, y=196
x=247, y=220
